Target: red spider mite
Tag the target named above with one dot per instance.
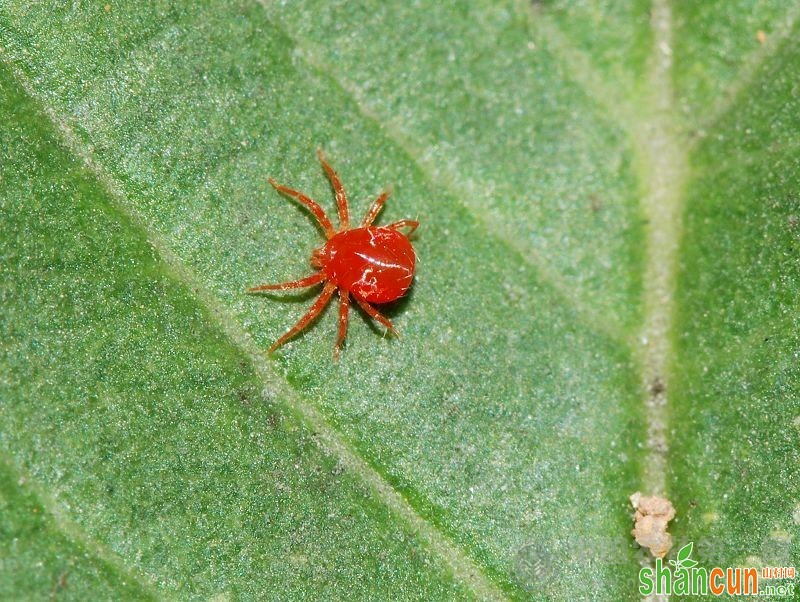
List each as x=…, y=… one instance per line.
x=371, y=264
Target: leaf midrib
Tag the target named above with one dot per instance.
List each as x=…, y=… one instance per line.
x=661, y=155
x=664, y=165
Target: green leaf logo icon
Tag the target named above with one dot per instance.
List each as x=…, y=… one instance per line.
x=683, y=561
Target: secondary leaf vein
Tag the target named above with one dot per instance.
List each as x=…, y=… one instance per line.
x=75, y=533
x=750, y=70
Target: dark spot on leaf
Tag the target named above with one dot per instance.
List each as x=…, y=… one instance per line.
x=451, y=411
x=695, y=136
x=657, y=387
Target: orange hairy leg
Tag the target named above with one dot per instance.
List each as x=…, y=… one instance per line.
x=376, y=315
x=344, y=314
x=312, y=313
x=404, y=223
x=375, y=209
x=341, y=197
x=312, y=206
x=285, y=286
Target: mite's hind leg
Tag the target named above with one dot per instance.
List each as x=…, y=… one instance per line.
x=341, y=197
x=344, y=314
x=405, y=223
x=285, y=286
x=375, y=209
x=311, y=205
x=376, y=315
x=312, y=313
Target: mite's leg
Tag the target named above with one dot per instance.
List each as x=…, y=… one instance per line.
x=344, y=312
x=312, y=313
x=404, y=223
x=341, y=197
x=312, y=206
x=374, y=209
x=285, y=286
x=376, y=315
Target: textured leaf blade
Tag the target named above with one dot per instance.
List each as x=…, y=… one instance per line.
x=492, y=450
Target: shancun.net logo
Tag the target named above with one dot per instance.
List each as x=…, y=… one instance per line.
x=686, y=578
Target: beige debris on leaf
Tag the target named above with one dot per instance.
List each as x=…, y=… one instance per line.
x=650, y=523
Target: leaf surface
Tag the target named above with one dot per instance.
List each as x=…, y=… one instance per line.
x=605, y=302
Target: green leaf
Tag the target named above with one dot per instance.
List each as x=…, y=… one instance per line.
x=606, y=299
x=685, y=552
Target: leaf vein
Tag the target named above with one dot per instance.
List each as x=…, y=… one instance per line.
x=749, y=71
x=75, y=533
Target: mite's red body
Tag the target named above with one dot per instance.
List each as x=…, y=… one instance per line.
x=373, y=264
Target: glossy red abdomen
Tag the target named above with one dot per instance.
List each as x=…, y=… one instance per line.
x=375, y=264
